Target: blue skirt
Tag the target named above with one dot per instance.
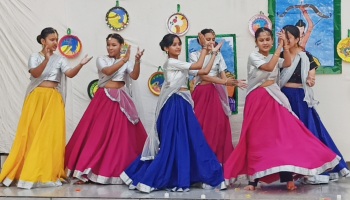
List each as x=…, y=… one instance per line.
x=313, y=122
x=184, y=157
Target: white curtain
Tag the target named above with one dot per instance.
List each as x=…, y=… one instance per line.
x=22, y=20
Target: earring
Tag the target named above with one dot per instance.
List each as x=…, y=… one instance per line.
x=166, y=52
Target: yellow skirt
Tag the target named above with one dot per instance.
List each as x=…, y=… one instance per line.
x=37, y=155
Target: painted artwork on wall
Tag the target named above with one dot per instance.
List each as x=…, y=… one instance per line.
x=228, y=51
x=70, y=46
x=117, y=18
x=319, y=24
x=258, y=21
x=155, y=82
x=92, y=88
x=178, y=24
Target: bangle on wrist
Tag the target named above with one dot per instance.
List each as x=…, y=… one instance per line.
x=137, y=61
x=214, y=53
x=124, y=60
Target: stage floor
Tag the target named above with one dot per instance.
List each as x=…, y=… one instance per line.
x=121, y=192
x=263, y=192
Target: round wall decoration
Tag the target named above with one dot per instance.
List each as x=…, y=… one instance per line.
x=177, y=24
x=70, y=46
x=343, y=49
x=92, y=88
x=117, y=18
x=155, y=82
x=258, y=21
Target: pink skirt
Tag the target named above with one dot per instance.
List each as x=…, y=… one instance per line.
x=273, y=140
x=213, y=120
x=104, y=143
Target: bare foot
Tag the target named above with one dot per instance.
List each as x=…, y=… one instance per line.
x=291, y=185
x=249, y=187
x=80, y=182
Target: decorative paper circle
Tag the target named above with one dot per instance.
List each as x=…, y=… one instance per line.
x=117, y=18
x=258, y=21
x=155, y=82
x=177, y=24
x=343, y=49
x=70, y=46
x=92, y=88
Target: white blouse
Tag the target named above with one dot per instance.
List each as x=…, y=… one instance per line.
x=120, y=75
x=56, y=72
x=174, y=70
x=219, y=64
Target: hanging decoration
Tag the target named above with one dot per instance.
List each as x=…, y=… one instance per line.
x=258, y=21
x=177, y=23
x=69, y=45
x=92, y=88
x=117, y=18
x=156, y=81
x=343, y=48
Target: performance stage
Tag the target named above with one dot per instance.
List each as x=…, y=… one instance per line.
x=264, y=192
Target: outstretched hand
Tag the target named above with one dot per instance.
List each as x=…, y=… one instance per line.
x=282, y=39
x=310, y=81
x=217, y=48
x=47, y=53
x=139, y=54
x=85, y=60
x=238, y=83
x=242, y=84
x=202, y=41
x=127, y=54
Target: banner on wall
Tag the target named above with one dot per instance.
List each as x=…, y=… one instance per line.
x=319, y=24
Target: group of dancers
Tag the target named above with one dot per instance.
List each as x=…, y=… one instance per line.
x=190, y=142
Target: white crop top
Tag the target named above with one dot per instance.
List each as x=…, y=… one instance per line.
x=256, y=60
x=219, y=64
x=174, y=70
x=106, y=61
x=56, y=73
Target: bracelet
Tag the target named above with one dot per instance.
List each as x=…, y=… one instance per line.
x=137, y=61
x=204, y=47
x=276, y=54
x=214, y=52
x=124, y=60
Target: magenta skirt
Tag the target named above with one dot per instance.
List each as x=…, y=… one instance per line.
x=104, y=143
x=274, y=140
x=213, y=120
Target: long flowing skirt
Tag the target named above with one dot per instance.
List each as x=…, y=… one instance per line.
x=184, y=157
x=104, y=143
x=272, y=141
x=213, y=120
x=313, y=122
x=37, y=155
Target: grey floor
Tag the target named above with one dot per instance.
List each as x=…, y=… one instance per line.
x=263, y=192
x=275, y=191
